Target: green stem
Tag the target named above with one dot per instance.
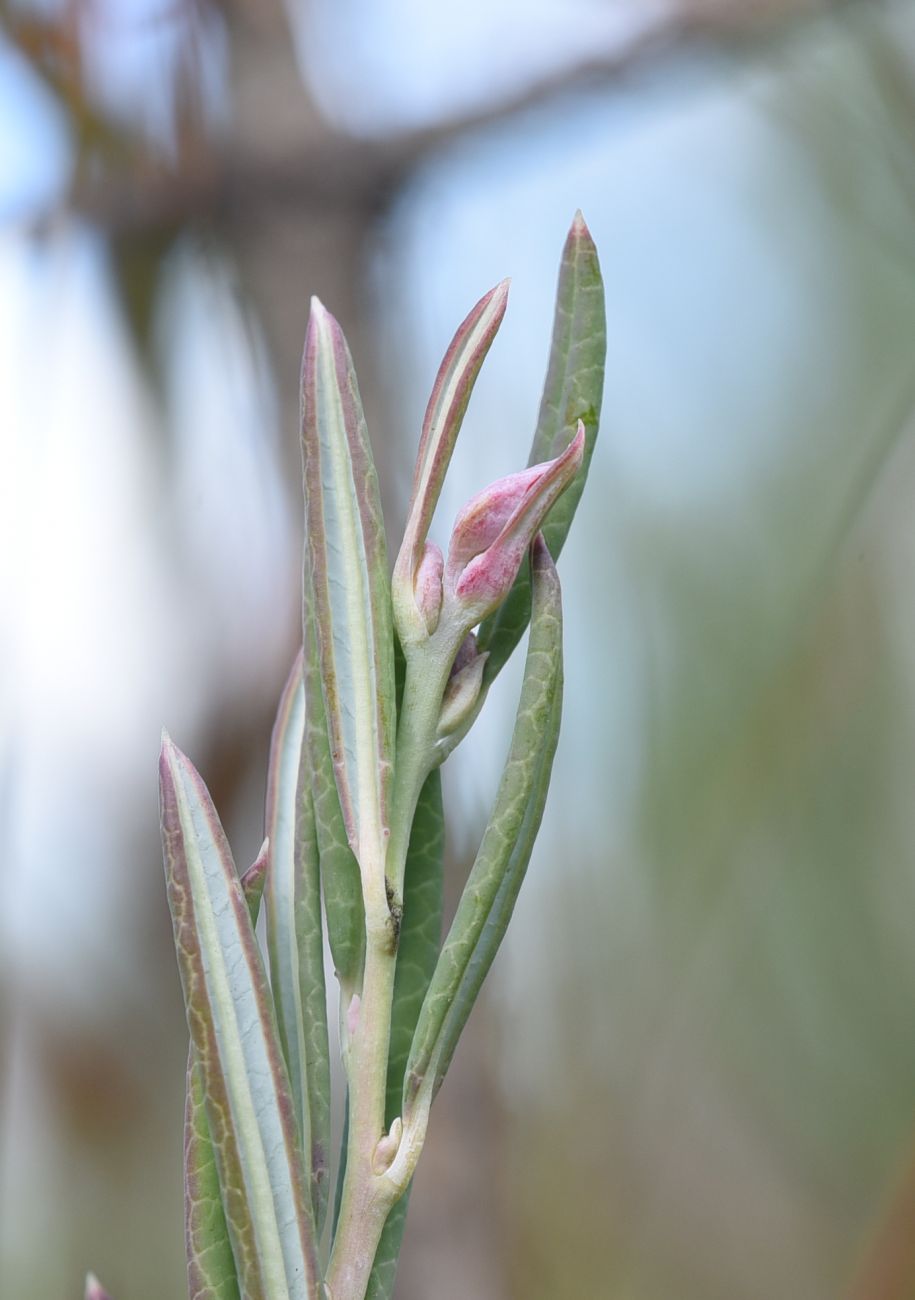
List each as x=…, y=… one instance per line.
x=369, y=1193
x=366, y=1198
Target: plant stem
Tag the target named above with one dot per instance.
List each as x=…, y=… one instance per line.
x=369, y=1195
x=366, y=1198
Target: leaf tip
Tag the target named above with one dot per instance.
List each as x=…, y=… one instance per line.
x=167, y=752
x=94, y=1289
x=579, y=228
x=499, y=295
x=490, y=308
x=576, y=448
x=320, y=323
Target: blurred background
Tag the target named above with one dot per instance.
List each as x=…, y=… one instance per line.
x=693, y=1073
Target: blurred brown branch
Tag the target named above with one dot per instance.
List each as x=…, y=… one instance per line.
x=319, y=168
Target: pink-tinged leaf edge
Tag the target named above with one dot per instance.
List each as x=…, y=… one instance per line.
x=273, y=1254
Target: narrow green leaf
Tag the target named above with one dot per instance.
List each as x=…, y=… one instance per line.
x=340, y=876
x=233, y=1029
x=420, y=941
x=504, y=902
x=210, y=1264
x=420, y=932
x=572, y=391
x=341, y=1163
x=347, y=560
x=295, y=938
x=507, y=840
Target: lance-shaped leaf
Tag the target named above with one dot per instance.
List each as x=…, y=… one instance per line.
x=572, y=391
x=295, y=939
x=233, y=1030
x=417, y=953
x=504, y=902
x=340, y=877
x=352, y=600
x=441, y=425
x=210, y=1264
x=510, y=832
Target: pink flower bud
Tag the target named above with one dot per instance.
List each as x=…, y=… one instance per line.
x=495, y=529
x=484, y=516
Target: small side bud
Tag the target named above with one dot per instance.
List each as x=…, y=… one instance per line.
x=94, y=1288
x=254, y=879
x=466, y=651
x=428, y=585
x=352, y=1015
x=387, y=1148
x=461, y=695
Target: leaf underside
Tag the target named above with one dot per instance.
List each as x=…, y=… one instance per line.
x=295, y=939
x=347, y=565
x=249, y=1106
x=210, y=1265
x=340, y=878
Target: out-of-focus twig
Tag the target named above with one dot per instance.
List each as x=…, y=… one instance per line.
x=330, y=170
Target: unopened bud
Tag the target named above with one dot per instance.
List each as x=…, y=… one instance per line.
x=461, y=694
x=428, y=585
x=387, y=1148
x=495, y=529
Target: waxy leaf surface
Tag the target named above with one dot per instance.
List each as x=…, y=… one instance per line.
x=347, y=562
x=572, y=391
x=295, y=939
x=210, y=1264
x=233, y=1030
x=508, y=838
x=340, y=877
